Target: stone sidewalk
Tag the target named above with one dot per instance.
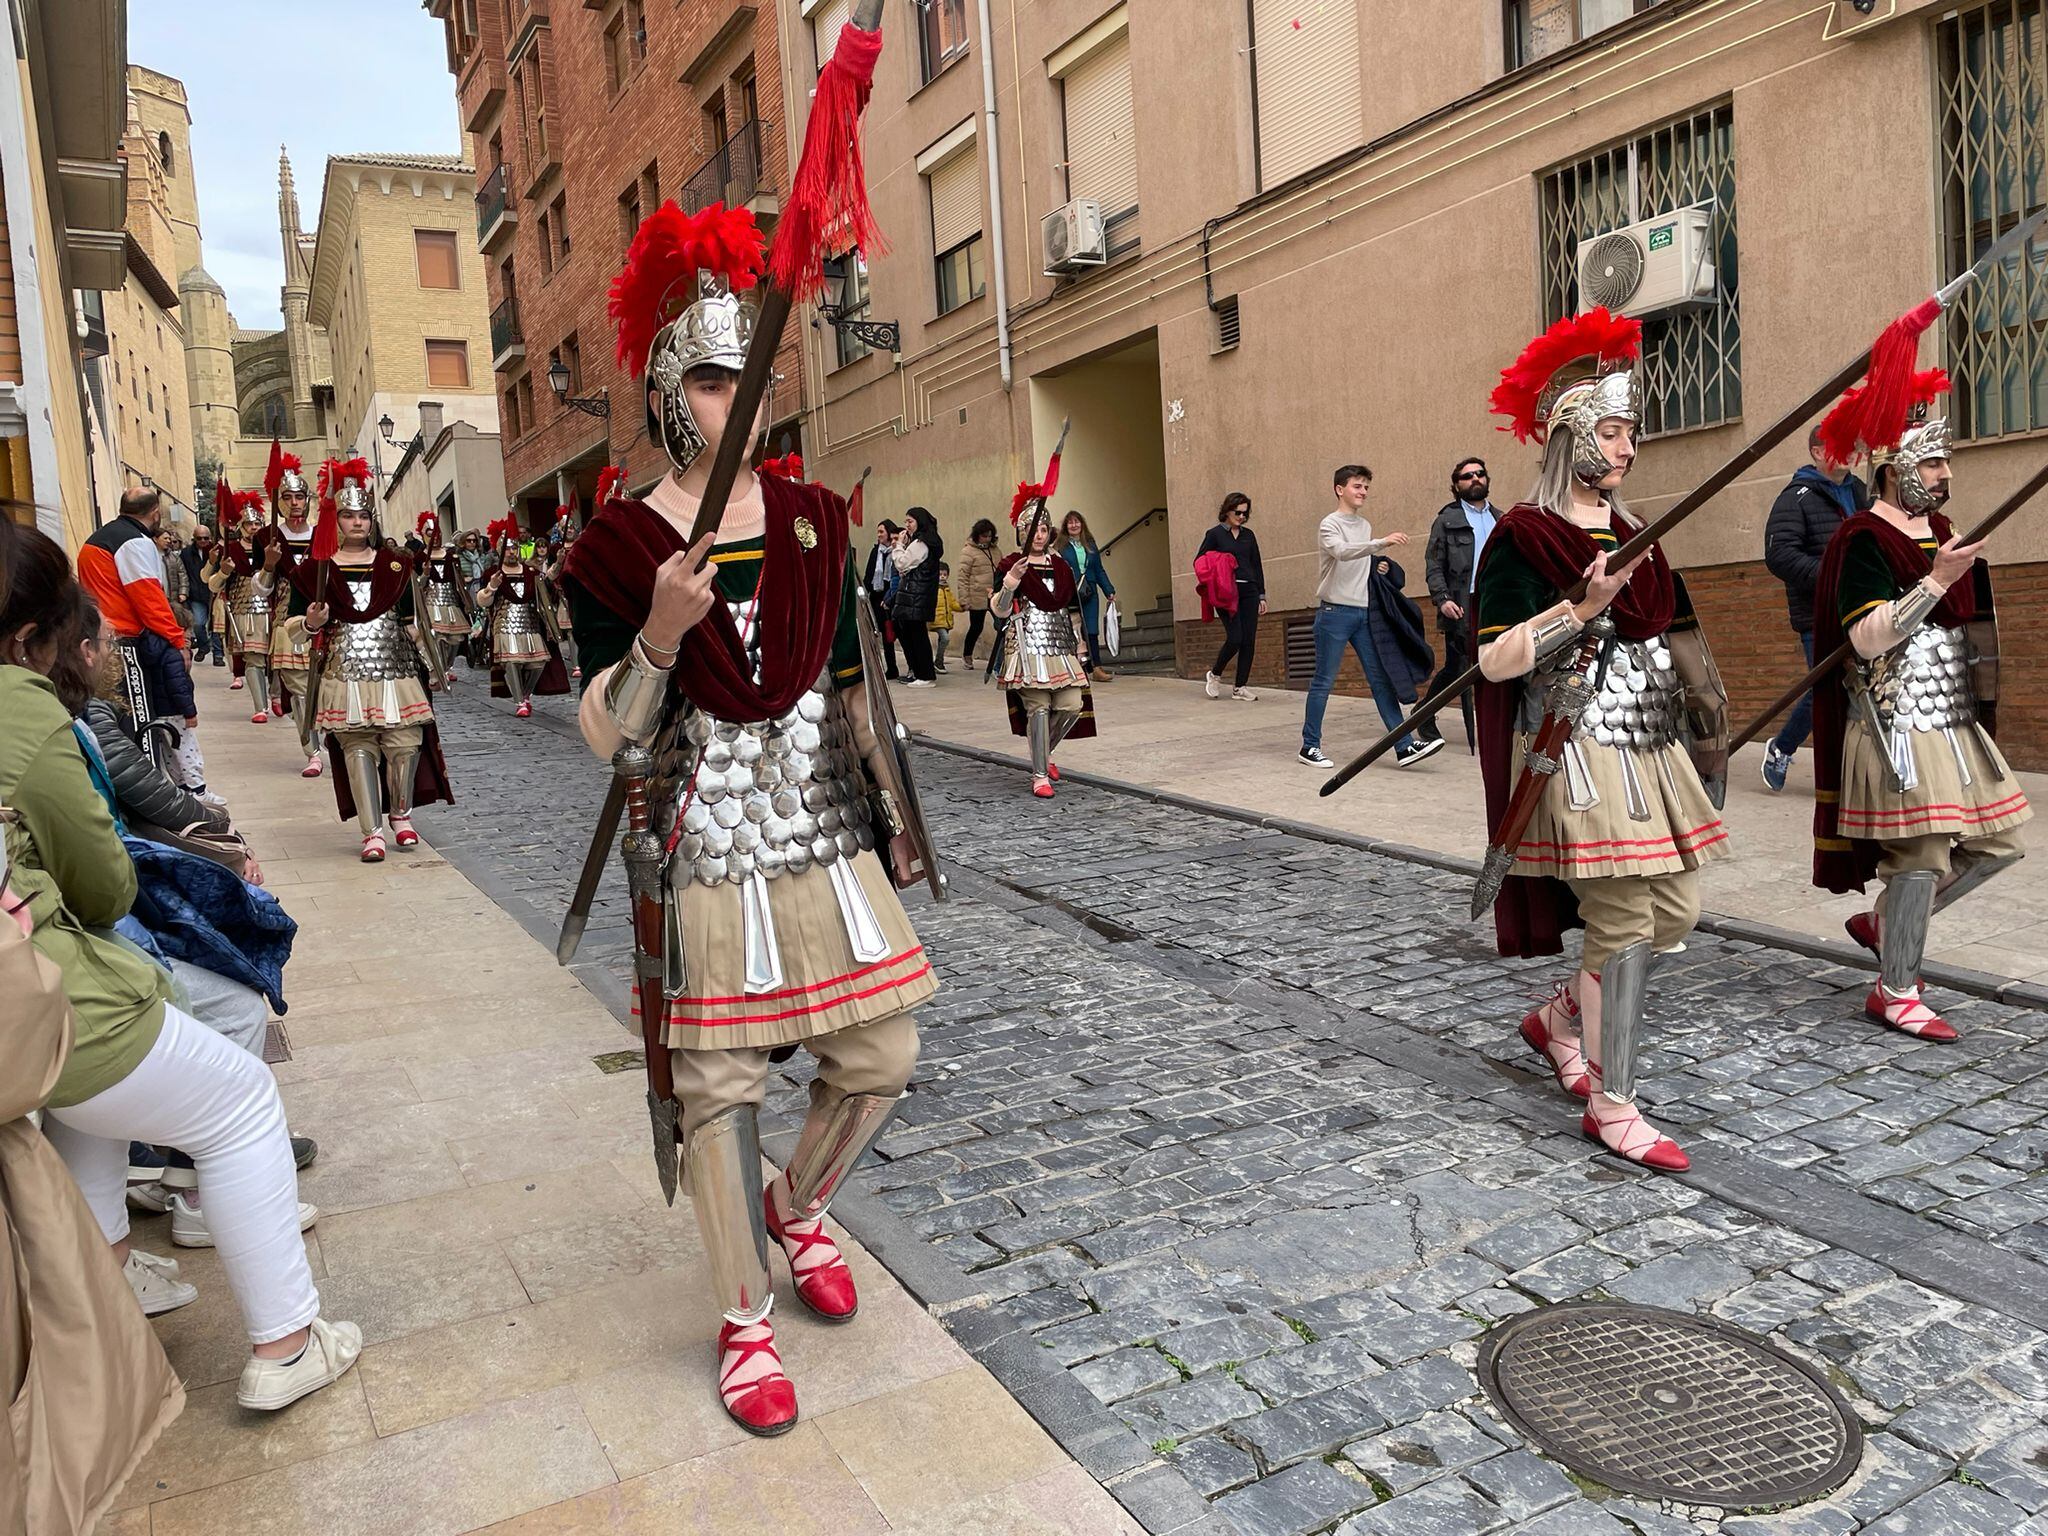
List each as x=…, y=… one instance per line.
x=1163, y=734
x=1224, y=1158
x=539, y=1338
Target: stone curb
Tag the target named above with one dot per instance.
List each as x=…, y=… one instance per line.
x=1955, y=978
x=1153, y=1492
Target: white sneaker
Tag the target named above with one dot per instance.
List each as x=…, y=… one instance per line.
x=921, y=682
x=1313, y=756
x=331, y=1348
x=188, y=1225
x=156, y=1284
x=1244, y=695
x=1212, y=685
x=151, y=1197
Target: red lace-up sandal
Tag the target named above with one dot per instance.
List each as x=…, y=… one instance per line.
x=823, y=1282
x=402, y=832
x=762, y=1405
x=373, y=848
x=1052, y=772
x=1567, y=1059
x=1908, y=1014
x=1634, y=1138
x=1863, y=929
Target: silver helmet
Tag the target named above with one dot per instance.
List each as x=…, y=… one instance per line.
x=1925, y=438
x=711, y=332
x=1578, y=401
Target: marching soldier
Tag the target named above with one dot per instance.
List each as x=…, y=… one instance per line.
x=526, y=658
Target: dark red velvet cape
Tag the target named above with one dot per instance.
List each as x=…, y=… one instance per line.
x=1051, y=588
x=390, y=580
x=1532, y=913
x=1840, y=863
x=614, y=560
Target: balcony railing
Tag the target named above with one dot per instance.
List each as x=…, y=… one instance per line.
x=495, y=211
x=508, y=342
x=732, y=175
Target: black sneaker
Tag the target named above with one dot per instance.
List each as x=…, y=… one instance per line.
x=304, y=1150
x=1417, y=751
x=145, y=1163
x=1313, y=756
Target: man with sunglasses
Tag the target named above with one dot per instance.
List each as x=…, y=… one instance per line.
x=1455, y=540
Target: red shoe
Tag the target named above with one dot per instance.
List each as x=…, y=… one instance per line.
x=1052, y=772
x=1578, y=1081
x=237, y=683
x=525, y=710
x=765, y=1406
x=312, y=770
x=1659, y=1152
x=1908, y=1015
x=1042, y=788
x=373, y=848
x=1863, y=929
x=823, y=1284
x=258, y=718
x=402, y=832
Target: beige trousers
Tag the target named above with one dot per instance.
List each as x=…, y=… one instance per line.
x=382, y=740
x=1936, y=852
x=867, y=1058
x=1621, y=910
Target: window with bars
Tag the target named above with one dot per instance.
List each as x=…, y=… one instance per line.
x=1692, y=357
x=1992, y=123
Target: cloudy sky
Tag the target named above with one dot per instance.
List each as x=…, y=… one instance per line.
x=260, y=73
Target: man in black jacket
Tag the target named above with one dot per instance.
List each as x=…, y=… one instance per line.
x=1455, y=541
x=1819, y=498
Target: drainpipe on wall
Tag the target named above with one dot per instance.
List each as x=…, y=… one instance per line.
x=995, y=193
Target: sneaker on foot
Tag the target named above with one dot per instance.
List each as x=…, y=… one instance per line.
x=145, y=1163
x=1244, y=695
x=1212, y=685
x=331, y=1348
x=1416, y=751
x=304, y=1150
x=1313, y=756
x=920, y=682
x=156, y=1284
x=1775, y=765
x=152, y=1198
x=188, y=1223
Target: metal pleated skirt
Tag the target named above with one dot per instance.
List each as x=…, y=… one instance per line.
x=823, y=987
x=249, y=614
x=371, y=703
x=1972, y=798
x=1650, y=815
x=516, y=634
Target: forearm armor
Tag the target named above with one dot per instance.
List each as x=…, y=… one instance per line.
x=1911, y=608
x=634, y=691
x=1551, y=633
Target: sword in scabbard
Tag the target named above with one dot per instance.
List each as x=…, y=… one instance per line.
x=641, y=848
x=2027, y=491
x=1700, y=495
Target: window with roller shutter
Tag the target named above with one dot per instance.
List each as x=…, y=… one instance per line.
x=952, y=174
x=826, y=18
x=1101, y=132
x=1308, y=84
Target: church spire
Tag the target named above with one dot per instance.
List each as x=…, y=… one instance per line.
x=287, y=203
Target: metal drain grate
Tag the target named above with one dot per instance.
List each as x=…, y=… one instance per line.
x=1670, y=1406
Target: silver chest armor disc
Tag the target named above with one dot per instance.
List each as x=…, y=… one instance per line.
x=1639, y=703
x=1039, y=631
x=1923, y=685
x=376, y=651
x=444, y=608
x=516, y=627
x=774, y=795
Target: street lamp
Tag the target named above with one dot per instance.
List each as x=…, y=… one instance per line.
x=875, y=335
x=598, y=405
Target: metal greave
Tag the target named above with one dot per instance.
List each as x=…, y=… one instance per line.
x=1038, y=730
x=1970, y=870
x=722, y=1166
x=839, y=1128
x=1624, y=983
x=401, y=768
x=1908, y=907
x=1061, y=722
x=365, y=783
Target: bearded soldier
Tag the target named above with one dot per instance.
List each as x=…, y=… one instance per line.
x=1629, y=809
x=372, y=708
x=745, y=676
x=1910, y=787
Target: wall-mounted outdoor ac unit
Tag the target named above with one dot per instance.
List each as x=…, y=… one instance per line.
x=1652, y=265
x=1074, y=237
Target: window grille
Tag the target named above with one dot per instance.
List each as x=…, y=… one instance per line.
x=1991, y=124
x=1692, y=357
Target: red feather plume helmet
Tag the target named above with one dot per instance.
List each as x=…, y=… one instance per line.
x=1874, y=415
x=610, y=481
x=674, y=257
x=789, y=467
x=426, y=520
x=1576, y=348
x=500, y=530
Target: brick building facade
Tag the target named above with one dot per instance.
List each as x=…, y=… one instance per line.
x=585, y=117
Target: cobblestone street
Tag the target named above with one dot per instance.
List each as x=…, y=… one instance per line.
x=1224, y=1155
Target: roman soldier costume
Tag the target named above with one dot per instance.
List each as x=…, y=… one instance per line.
x=526, y=657
x=247, y=604
x=782, y=926
x=1629, y=809
x=449, y=612
x=1909, y=785
x=1045, y=682
x=371, y=707
x=291, y=534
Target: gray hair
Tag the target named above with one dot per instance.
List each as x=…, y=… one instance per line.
x=1553, y=489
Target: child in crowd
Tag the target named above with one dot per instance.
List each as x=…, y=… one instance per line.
x=943, y=615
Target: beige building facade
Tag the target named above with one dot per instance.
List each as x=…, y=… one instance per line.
x=1325, y=228
x=450, y=468
x=397, y=284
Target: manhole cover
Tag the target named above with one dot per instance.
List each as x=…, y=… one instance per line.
x=1670, y=1406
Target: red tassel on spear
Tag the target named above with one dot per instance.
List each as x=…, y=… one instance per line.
x=828, y=197
x=1873, y=415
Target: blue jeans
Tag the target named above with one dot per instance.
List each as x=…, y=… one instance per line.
x=1798, y=724
x=204, y=641
x=1336, y=627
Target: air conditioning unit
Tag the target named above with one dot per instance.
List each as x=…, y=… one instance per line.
x=1652, y=265
x=1074, y=237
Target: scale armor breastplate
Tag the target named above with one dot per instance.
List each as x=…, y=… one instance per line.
x=1923, y=685
x=444, y=609
x=773, y=795
x=375, y=651
x=515, y=626
x=248, y=599
x=1037, y=631
x=1639, y=703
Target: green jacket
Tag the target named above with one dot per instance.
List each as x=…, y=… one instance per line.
x=78, y=880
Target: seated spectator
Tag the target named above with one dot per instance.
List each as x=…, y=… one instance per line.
x=139, y=1065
